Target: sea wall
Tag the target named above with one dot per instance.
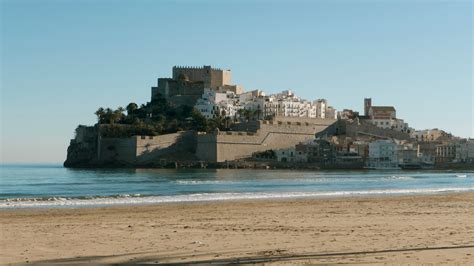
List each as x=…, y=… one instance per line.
x=139, y=150
x=219, y=146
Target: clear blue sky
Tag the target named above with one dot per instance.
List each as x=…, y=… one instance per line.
x=61, y=60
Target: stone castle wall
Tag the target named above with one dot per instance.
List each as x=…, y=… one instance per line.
x=361, y=128
x=212, y=147
x=119, y=150
x=271, y=135
x=365, y=128
x=213, y=78
x=138, y=150
x=149, y=149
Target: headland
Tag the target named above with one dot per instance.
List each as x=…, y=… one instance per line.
x=199, y=119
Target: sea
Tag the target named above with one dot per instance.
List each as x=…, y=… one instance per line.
x=53, y=186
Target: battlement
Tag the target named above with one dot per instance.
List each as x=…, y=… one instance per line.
x=198, y=68
x=221, y=146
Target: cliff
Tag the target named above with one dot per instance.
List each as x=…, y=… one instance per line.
x=82, y=150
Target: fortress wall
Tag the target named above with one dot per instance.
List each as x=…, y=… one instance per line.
x=304, y=120
x=150, y=148
x=232, y=145
x=251, y=126
x=211, y=77
x=194, y=74
x=196, y=89
x=121, y=150
x=206, y=148
x=238, y=147
x=353, y=129
x=226, y=77
x=284, y=122
x=144, y=149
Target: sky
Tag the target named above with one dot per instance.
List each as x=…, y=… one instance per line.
x=62, y=60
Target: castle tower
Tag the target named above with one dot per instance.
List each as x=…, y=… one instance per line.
x=367, y=105
x=207, y=76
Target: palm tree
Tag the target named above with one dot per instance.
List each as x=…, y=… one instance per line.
x=118, y=114
x=131, y=108
x=100, y=113
x=109, y=116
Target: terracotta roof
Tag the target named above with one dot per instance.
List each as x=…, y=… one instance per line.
x=383, y=108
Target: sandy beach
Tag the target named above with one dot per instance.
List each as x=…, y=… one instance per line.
x=397, y=229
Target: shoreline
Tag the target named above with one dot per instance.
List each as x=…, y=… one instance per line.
x=137, y=201
x=361, y=230
x=263, y=165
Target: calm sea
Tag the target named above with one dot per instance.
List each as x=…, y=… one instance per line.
x=51, y=185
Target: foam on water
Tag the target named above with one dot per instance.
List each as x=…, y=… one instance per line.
x=204, y=182
x=30, y=186
x=201, y=197
x=395, y=177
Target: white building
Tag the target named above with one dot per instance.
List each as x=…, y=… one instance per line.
x=383, y=154
x=465, y=151
x=286, y=103
x=391, y=123
x=321, y=105
x=213, y=104
x=291, y=155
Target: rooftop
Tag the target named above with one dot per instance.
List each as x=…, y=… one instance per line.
x=383, y=108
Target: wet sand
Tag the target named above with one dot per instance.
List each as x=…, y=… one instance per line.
x=396, y=229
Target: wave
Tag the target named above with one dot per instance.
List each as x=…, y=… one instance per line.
x=293, y=180
x=204, y=182
x=138, y=199
x=395, y=177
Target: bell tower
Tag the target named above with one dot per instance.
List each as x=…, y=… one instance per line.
x=367, y=105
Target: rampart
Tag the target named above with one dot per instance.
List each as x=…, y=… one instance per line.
x=234, y=145
x=140, y=150
x=361, y=128
x=190, y=146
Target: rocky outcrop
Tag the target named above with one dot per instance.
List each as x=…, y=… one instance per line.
x=82, y=150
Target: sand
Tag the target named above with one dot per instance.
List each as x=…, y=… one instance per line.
x=397, y=229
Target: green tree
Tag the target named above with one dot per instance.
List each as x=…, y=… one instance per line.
x=100, y=113
x=131, y=109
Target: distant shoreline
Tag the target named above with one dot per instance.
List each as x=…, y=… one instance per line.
x=261, y=165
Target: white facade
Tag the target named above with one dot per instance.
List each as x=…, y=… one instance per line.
x=321, y=105
x=383, y=154
x=227, y=104
x=291, y=155
x=465, y=151
x=213, y=104
x=391, y=123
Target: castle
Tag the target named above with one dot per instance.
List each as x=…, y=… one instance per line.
x=282, y=121
x=281, y=124
x=188, y=83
